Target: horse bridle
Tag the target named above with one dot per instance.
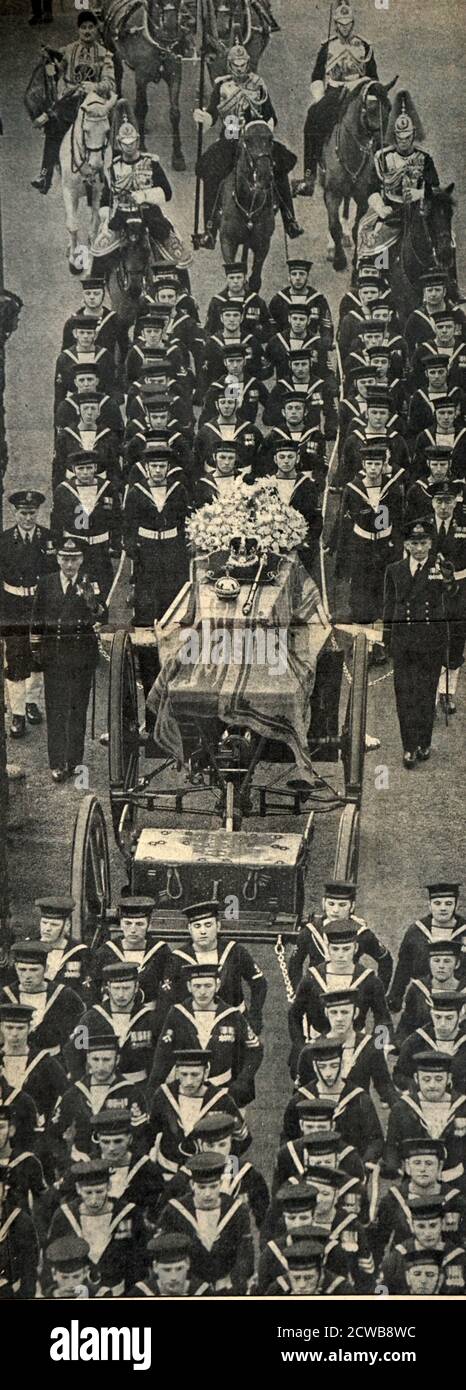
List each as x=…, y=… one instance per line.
x=363, y=150
x=253, y=212
x=76, y=168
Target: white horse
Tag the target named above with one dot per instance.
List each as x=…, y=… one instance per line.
x=85, y=155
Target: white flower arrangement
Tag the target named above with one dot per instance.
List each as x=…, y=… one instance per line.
x=255, y=511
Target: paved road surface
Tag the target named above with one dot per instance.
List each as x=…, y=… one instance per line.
x=415, y=813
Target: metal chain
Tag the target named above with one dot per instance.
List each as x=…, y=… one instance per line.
x=281, y=959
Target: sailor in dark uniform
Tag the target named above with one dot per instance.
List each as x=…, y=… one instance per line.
x=85, y=351
x=256, y=315
x=68, y=961
x=423, y=324
x=86, y=377
x=298, y=291
x=154, y=538
x=447, y=431
x=441, y=922
x=449, y=542
x=341, y=63
x=445, y=972
x=417, y=592
x=338, y=904
x=93, y=307
x=26, y=554
x=63, y=642
x=169, y=1275
x=89, y=505
x=370, y=535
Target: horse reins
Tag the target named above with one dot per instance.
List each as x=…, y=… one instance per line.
x=253, y=212
x=77, y=168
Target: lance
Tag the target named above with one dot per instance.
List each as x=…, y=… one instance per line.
x=201, y=25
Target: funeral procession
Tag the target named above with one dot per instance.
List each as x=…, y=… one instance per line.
x=232, y=628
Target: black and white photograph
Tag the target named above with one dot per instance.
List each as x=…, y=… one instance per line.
x=232, y=637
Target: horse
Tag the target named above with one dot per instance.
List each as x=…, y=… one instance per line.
x=84, y=156
x=128, y=272
x=148, y=40
x=235, y=19
x=347, y=162
x=425, y=240
x=247, y=200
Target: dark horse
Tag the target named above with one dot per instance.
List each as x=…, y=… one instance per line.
x=128, y=273
x=347, y=157
x=247, y=198
x=241, y=19
x=148, y=41
x=425, y=240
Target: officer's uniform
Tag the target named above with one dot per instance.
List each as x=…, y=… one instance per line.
x=145, y=172
x=95, y=512
x=416, y=632
x=24, y=558
x=64, y=644
x=449, y=540
x=340, y=65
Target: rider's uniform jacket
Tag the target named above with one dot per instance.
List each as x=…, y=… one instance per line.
x=81, y=62
x=344, y=62
x=396, y=173
x=248, y=101
x=144, y=172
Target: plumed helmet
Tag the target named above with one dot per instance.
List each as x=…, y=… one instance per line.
x=127, y=135
x=344, y=14
x=238, y=59
x=404, y=121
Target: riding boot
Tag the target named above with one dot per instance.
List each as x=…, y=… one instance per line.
x=283, y=190
x=49, y=159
